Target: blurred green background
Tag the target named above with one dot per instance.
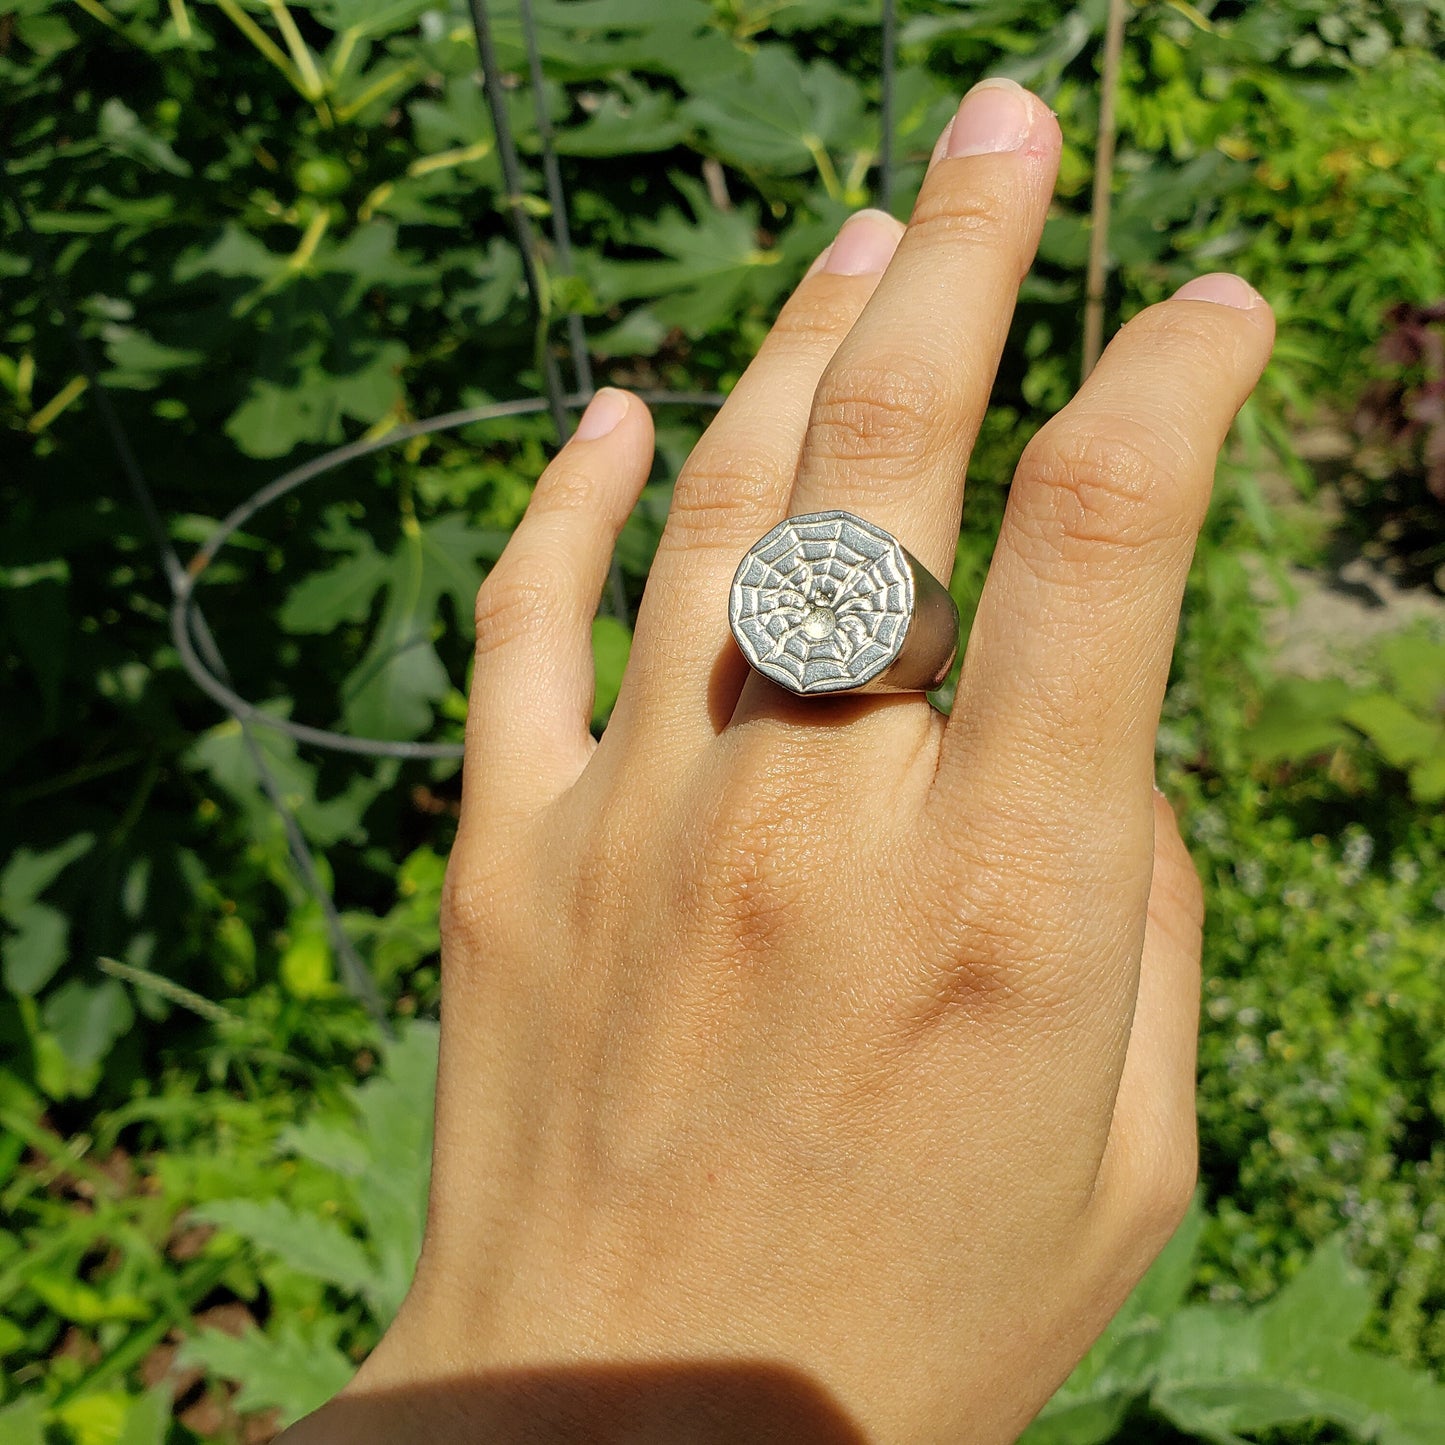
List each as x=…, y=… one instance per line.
x=282, y=226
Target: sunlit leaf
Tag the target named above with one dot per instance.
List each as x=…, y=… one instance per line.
x=293, y=1370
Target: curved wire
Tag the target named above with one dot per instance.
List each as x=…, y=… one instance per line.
x=522, y=227
x=556, y=199
x=196, y=646
x=188, y=630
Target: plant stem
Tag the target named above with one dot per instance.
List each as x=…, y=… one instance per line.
x=182, y=18
x=97, y=11
x=313, y=86
x=68, y=393
x=1103, y=188
x=262, y=42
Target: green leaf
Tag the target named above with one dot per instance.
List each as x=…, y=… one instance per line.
x=369, y=259
x=306, y=968
x=343, y=593
x=121, y=130
x=313, y=1246
x=494, y=282
x=1299, y=718
x=149, y=1418
x=713, y=269
x=235, y=254
x=395, y=1109
x=34, y=951
x=85, y=1304
x=1427, y=779
x=627, y=121
x=279, y=415
x=459, y=118
x=392, y=691
x=28, y=874
x=366, y=17
x=611, y=643
x=295, y=1369
x=1328, y=1287
x=382, y=1152
x=781, y=115
x=1402, y=737
x=1415, y=663
x=22, y=1422
x=1224, y=1369
x=86, y=1019
x=96, y=1419
x=140, y=361
x=223, y=754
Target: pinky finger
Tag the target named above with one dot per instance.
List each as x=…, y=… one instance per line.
x=528, y=722
x=1150, y=1162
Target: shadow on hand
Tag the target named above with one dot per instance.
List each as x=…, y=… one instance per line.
x=741, y=1403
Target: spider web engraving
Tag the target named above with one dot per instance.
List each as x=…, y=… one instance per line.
x=822, y=603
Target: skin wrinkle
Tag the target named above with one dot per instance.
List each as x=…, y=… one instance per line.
x=893, y=418
x=769, y=1038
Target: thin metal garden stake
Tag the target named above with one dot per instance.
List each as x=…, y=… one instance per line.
x=1103, y=189
x=198, y=636
x=197, y=647
x=556, y=199
x=522, y=227
x=885, y=107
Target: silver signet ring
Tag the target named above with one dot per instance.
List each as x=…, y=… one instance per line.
x=830, y=603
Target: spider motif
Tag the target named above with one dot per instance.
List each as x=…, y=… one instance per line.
x=822, y=602
x=816, y=612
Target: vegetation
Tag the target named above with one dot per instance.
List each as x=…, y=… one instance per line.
x=279, y=228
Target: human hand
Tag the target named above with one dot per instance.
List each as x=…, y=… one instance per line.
x=823, y=1069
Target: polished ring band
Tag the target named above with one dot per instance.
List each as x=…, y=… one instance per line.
x=829, y=603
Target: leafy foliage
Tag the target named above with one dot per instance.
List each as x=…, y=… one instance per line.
x=1403, y=717
x=1212, y=1370
x=1322, y=1079
x=375, y=1157
x=1399, y=481
x=283, y=228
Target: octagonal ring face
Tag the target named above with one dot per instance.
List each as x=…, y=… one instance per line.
x=822, y=603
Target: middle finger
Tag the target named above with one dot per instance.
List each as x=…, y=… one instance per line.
x=900, y=404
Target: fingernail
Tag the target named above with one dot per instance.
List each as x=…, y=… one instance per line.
x=996, y=115
x=865, y=244
x=819, y=262
x=603, y=413
x=1222, y=287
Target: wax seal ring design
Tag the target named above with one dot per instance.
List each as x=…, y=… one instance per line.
x=830, y=603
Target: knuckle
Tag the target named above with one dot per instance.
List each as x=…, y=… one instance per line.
x=1112, y=482
x=994, y=967
x=486, y=901
x=867, y=410
x=721, y=496
x=1164, y=1184
x=514, y=604
x=748, y=878
x=1189, y=331
x=469, y=917
x=813, y=321
x=602, y=874
x=1013, y=973
x=969, y=214
x=1176, y=894
x=566, y=487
